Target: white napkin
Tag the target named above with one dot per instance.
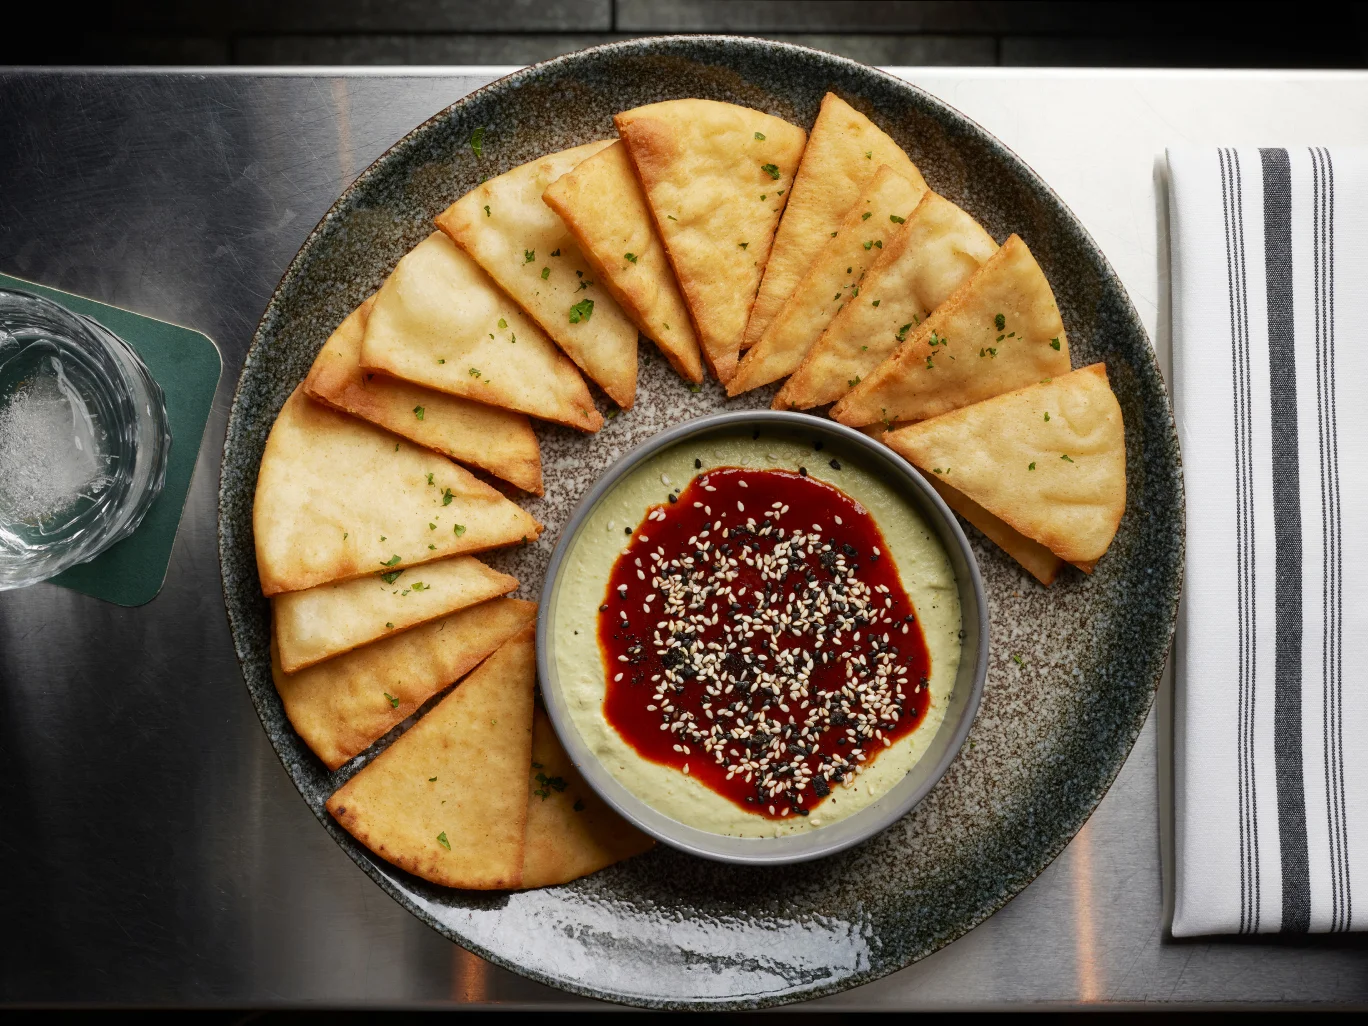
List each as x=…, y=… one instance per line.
x=1270, y=376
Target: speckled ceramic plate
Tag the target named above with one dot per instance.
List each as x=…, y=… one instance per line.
x=666, y=929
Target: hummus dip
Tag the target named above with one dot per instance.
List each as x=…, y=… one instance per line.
x=587, y=671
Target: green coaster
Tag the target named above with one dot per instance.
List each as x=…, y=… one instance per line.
x=187, y=366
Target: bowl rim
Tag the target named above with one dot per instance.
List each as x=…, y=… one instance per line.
x=792, y=848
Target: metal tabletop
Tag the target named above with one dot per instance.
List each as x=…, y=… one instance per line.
x=152, y=848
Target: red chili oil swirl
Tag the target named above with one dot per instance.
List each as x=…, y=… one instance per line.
x=793, y=718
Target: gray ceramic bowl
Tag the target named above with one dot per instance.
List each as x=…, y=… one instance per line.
x=883, y=463
x=1055, y=723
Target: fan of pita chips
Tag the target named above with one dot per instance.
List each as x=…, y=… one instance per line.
x=495, y=440
x=1000, y=330
x=1049, y=460
x=571, y=831
x=602, y=203
x=344, y=705
x=716, y=177
x=845, y=150
x=447, y=801
x=1040, y=562
x=338, y=498
x=322, y=622
x=835, y=278
x=938, y=249
x=440, y=321
x=505, y=225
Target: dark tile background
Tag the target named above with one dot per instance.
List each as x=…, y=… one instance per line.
x=911, y=32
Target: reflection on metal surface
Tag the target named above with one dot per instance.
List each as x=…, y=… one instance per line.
x=469, y=977
x=1085, y=935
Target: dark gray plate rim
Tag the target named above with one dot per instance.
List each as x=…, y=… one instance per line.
x=874, y=818
x=1151, y=382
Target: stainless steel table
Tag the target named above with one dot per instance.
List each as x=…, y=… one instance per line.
x=152, y=849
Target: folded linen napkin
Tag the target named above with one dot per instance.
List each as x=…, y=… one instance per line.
x=1269, y=253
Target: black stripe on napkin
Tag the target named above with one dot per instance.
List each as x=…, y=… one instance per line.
x=1232, y=196
x=1287, y=527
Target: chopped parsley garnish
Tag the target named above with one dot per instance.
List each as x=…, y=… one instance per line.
x=866, y=215
x=854, y=381
x=929, y=364
x=869, y=154
x=486, y=210
x=1000, y=322
x=391, y=577
x=447, y=496
x=1032, y=466
x=876, y=302
x=582, y=311
x=1054, y=344
x=760, y=136
x=392, y=561
x=896, y=219
x=546, y=273
x=394, y=702
x=502, y=323
x=869, y=244
x=441, y=361
x=695, y=387
x=429, y=479
x=1018, y=660
x=419, y=586
x=528, y=256
x=477, y=141
x=902, y=332
x=442, y=840
x=548, y=784
x=458, y=529
x=630, y=257
x=1047, y=417
x=672, y=217
x=579, y=805
x=613, y=411
x=432, y=526
x=1066, y=457
x=390, y=626
x=475, y=371
x=743, y=245
x=431, y=779
x=418, y=411
x=555, y=252
x=771, y=169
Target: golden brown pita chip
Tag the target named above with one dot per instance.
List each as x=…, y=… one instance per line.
x=447, y=801
x=602, y=203
x=835, y=278
x=571, y=831
x=1049, y=460
x=936, y=252
x=440, y=321
x=525, y=247
x=337, y=498
x=495, y=440
x=716, y=177
x=841, y=157
x=344, y=705
x=319, y=623
x=1040, y=562
x=1000, y=330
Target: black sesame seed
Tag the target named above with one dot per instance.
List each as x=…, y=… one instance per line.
x=698, y=464
x=603, y=608
x=626, y=530
x=674, y=498
x=802, y=471
x=818, y=446
x=835, y=465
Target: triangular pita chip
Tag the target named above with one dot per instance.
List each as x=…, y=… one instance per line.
x=1040, y=562
x=716, y=177
x=344, y=705
x=938, y=249
x=836, y=277
x=511, y=232
x=319, y=623
x=602, y=203
x=448, y=800
x=440, y=321
x=571, y=831
x=1049, y=460
x=998, y=331
x=841, y=157
x=337, y=498
x=495, y=440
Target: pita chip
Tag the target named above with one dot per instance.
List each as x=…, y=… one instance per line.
x=319, y=623
x=835, y=278
x=1039, y=562
x=496, y=440
x=938, y=249
x=998, y=331
x=1048, y=460
x=845, y=150
x=601, y=202
x=571, y=831
x=342, y=706
x=447, y=801
x=337, y=498
x=716, y=177
x=440, y=321
x=525, y=247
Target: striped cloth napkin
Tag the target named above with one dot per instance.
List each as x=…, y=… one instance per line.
x=1270, y=376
